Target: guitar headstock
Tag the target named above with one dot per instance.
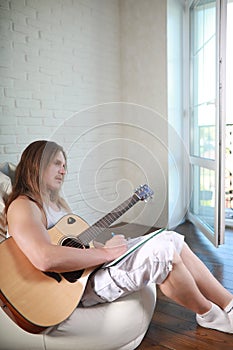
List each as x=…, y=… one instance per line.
x=144, y=192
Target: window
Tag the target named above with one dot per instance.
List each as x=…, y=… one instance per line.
x=205, y=118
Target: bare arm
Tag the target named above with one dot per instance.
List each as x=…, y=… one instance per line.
x=26, y=224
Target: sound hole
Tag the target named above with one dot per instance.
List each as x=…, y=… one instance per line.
x=73, y=276
x=72, y=242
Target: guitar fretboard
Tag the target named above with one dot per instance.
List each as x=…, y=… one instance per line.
x=92, y=232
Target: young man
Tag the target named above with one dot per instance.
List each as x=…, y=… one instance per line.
x=35, y=205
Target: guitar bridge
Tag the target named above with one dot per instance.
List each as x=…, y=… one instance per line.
x=72, y=276
x=54, y=275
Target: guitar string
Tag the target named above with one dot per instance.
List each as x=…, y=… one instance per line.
x=107, y=220
x=95, y=229
x=103, y=223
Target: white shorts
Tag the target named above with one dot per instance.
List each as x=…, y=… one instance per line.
x=152, y=262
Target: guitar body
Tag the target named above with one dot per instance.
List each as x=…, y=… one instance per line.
x=31, y=298
x=36, y=300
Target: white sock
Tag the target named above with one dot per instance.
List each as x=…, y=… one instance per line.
x=229, y=307
x=209, y=315
x=215, y=318
x=229, y=311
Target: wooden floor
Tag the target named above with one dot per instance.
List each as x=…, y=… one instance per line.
x=174, y=327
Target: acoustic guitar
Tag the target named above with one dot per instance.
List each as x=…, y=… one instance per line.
x=36, y=300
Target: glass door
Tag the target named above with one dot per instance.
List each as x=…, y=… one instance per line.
x=206, y=124
x=229, y=117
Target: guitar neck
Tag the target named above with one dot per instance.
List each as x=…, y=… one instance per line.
x=92, y=232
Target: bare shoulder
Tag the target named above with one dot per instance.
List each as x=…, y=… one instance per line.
x=24, y=209
x=27, y=225
x=23, y=203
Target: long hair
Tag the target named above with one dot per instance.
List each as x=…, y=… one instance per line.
x=28, y=175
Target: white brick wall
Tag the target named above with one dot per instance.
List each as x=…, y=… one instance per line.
x=58, y=58
x=63, y=64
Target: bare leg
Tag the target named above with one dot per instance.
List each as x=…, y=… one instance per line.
x=206, y=282
x=180, y=286
x=192, y=285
